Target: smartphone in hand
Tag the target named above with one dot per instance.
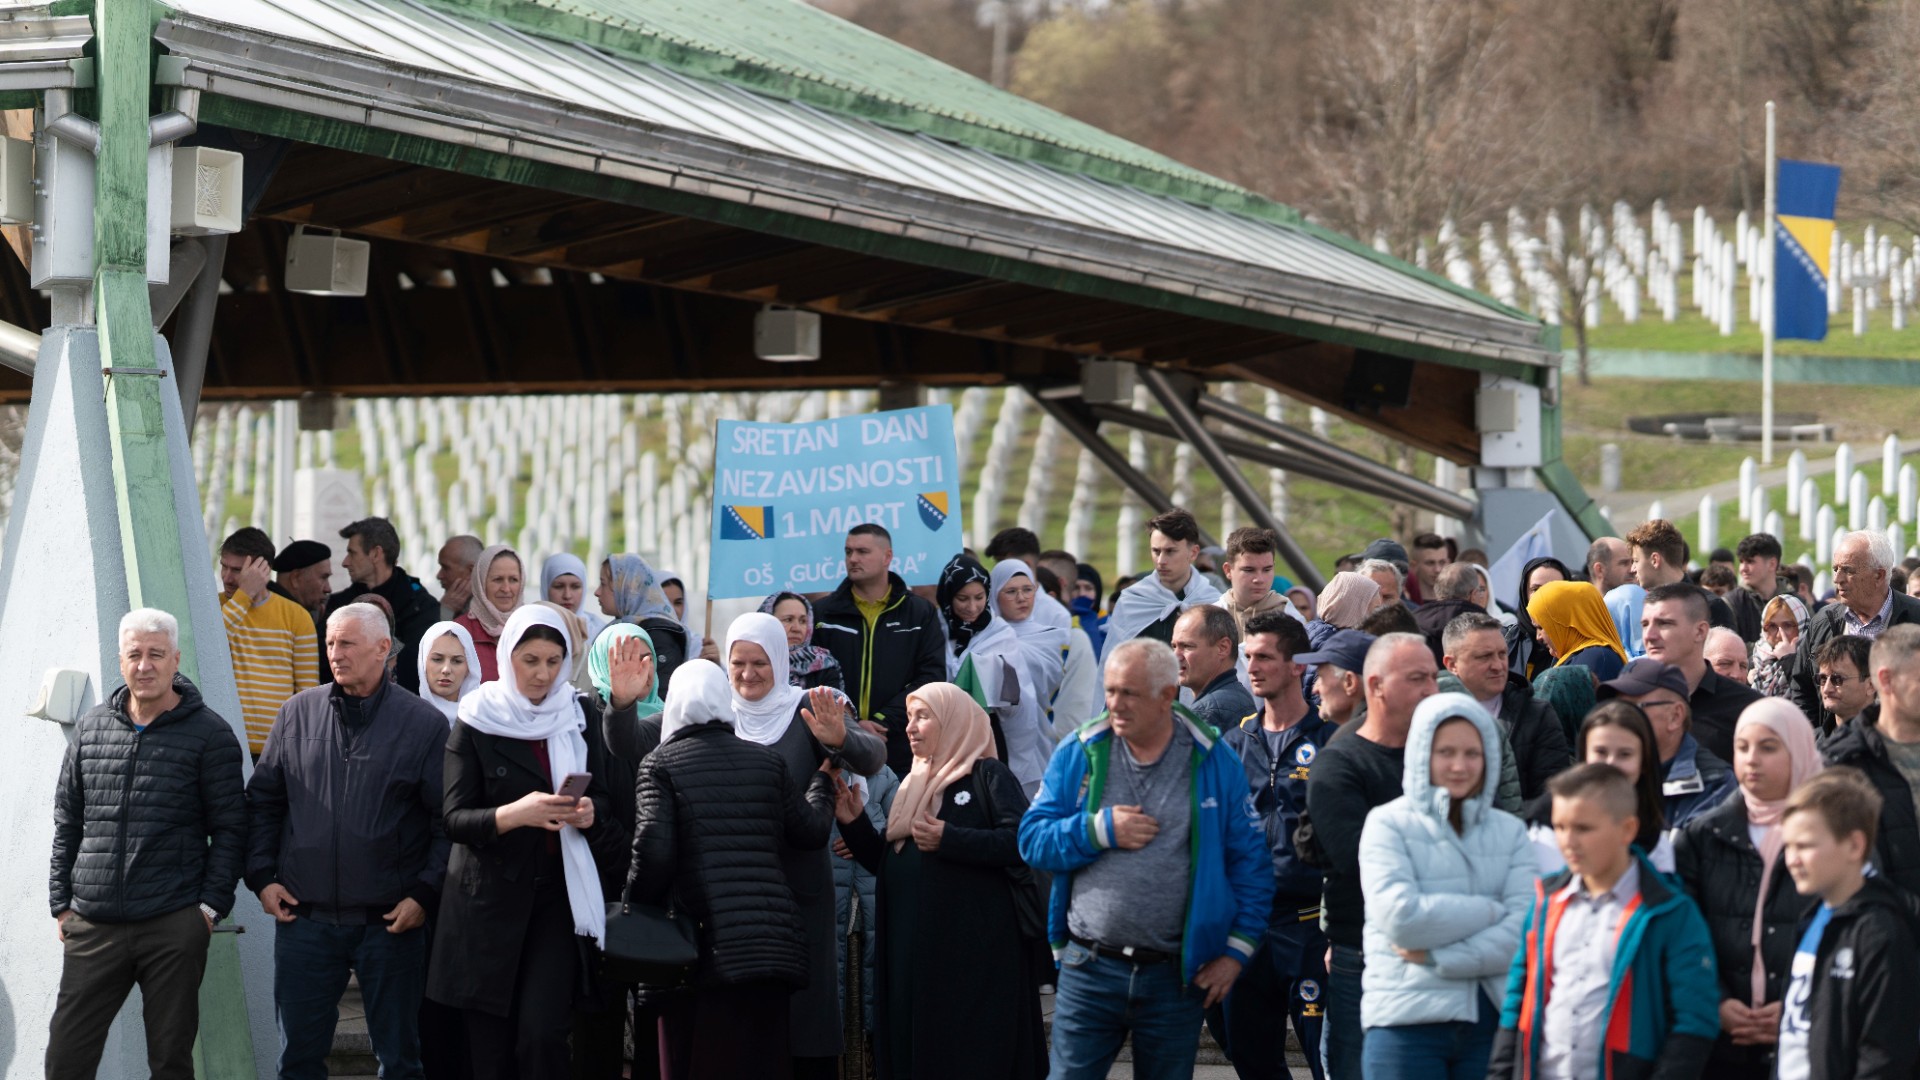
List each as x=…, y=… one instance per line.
x=575, y=785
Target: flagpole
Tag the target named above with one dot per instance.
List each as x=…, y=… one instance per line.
x=1767, y=304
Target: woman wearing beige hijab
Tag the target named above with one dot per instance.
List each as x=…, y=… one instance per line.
x=948, y=929
x=498, y=577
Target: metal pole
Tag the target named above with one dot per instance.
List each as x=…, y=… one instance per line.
x=1347, y=466
x=1228, y=470
x=1116, y=462
x=193, y=330
x=1766, y=306
x=1412, y=493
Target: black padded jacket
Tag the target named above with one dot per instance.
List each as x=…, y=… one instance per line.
x=1896, y=850
x=148, y=822
x=713, y=810
x=1720, y=868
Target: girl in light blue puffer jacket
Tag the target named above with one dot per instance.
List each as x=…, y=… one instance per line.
x=1448, y=879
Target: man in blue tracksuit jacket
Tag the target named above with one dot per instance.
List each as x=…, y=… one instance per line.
x=1141, y=798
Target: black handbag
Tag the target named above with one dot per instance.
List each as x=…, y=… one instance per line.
x=648, y=945
x=1028, y=910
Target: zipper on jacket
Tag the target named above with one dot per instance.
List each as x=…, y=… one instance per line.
x=126, y=808
x=866, y=653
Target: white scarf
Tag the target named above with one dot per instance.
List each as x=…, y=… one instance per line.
x=499, y=708
x=449, y=709
x=766, y=720
x=1146, y=602
x=700, y=695
x=1044, y=645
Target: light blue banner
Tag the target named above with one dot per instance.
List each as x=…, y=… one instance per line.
x=784, y=496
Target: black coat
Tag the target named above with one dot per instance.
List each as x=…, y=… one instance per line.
x=905, y=652
x=1896, y=851
x=947, y=920
x=489, y=897
x=415, y=610
x=1717, y=862
x=1866, y=984
x=1534, y=731
x=714, y=810
x=343, y=808
x=1826, y=624
x=147, y=823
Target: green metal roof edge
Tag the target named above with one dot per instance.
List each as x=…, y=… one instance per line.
x=1124, y=163
x=432, y=153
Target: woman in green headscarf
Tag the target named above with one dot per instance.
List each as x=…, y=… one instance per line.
x=620, y=663
x=1571, y=690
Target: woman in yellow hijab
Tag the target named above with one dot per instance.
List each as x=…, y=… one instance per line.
x=1574, y=619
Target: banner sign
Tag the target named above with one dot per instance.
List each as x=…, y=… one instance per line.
x=784, y=496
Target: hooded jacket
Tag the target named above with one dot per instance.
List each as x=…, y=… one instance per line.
x=1896, y=851
x=1866, y=982
x=905, y=651
x=1459, y=896
x=148, y=822
x=1229, y=869
x=1663, y=1007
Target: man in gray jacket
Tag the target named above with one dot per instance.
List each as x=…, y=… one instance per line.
x=346, y=850
x=149, y=829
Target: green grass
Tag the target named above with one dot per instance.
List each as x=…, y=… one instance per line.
x=1692, y=333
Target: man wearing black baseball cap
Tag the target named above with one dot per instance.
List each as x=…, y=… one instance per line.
x=1340, y=660
x=1692, y=778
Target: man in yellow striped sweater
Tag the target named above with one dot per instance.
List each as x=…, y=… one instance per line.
x=276, y=653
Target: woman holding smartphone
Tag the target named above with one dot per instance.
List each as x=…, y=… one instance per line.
x=532, y=830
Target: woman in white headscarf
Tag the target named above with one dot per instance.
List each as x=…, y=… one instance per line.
x=449, y=667
x=497, y=591
x=1011, y=592
x=563, y=581
x=805, y=728
x=524, y=901
x=716, y=814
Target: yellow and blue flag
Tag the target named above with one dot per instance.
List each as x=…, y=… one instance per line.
x=746, y=523
x=1803, y=248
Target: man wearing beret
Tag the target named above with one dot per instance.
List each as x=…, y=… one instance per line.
x=302, y=573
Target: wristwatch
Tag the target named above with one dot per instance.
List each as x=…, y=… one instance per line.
x=212, y=915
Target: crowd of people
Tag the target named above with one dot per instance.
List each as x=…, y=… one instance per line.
x=1639, y=820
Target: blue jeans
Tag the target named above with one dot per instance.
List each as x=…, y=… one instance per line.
x=1446, y=1051
x=311, y=962
x=1100, y=1000
x=1343, y=1034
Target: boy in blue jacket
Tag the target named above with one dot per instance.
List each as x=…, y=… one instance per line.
x=1615, y=975
x=1141, y=798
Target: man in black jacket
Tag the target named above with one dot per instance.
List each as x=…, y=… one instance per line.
x=1453, y=595
x=1883, y=742
x=1849, y=1010
x=1476, y=654
x=888, y=640
x=1865, y=605
x=372, y=561
x=149, y=830
x=346, y=849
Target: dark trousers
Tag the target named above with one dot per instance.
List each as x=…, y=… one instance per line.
x=727, y=1032
x=600, y=1036
x=1345, y=1038
x=530, y=1042
x=311, y=963
x=1286, y=977
x=165, y=956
